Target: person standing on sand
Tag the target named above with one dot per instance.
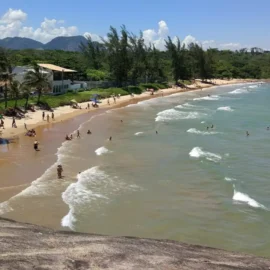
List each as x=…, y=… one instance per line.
x=78, y=134
x=88, y=106
x=53, y=116
x=36, y=145
x=25, y=126
x=14, y=122
x=114, y=99
x=43, y=116
x=59, y=171
x=108, y=102
x=2, y=124
x=48, y=118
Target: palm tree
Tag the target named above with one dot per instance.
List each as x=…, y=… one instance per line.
x=14, y=91
x=37, y=79
x=5, y=71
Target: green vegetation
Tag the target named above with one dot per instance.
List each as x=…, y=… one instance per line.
x=129, y=63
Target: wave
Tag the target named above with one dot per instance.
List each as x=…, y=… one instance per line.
x=173, y=114
x=253, y=86
x=229, y=179
x=214, y=97
x=138, y=133
x=197, y=152
x=227, y=109
x=185, y=106
x=196, y=131
x=244, y=198
x=239, y=91
x=102, y=150
x=79, y=194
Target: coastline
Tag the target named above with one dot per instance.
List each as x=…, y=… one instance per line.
x=34, y=119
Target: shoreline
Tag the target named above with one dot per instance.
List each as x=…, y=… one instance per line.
x=64, y=113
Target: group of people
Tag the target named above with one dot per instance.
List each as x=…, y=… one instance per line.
x=48, y=116
x=31, y=133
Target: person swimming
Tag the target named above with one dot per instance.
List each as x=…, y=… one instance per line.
x=36, y=145
x=89, y=132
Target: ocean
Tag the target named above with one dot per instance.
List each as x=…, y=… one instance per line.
x=165, y=174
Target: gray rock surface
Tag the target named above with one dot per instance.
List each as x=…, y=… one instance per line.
x=26, y=246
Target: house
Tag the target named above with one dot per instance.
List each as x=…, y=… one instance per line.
x=61, y=79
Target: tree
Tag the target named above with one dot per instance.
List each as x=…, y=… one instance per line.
x=118, y=54
x=92, y=51
x=177, y=54
x=5, y=71
x=37, y=79
x=15, y=90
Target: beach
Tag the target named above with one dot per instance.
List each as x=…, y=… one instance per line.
x=34, y=119
x=170, y=184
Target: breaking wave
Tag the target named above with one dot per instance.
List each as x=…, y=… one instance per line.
x=102, y=150
x=172, y=114
x=196, y=131
x=227, y=109
x=214, y=97
x=244, y=198
x=197, y=152
x=239, y=91
x=138, y=133
x=80, y=194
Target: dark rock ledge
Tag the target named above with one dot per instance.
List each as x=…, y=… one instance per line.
x=26, y=246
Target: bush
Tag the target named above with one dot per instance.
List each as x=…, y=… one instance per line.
x=155, y=86
x=134, y=89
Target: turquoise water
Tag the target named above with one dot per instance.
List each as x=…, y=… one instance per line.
x=185, y=183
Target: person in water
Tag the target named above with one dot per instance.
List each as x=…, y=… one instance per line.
x=89, y=132
x=78, y=134
x=156, y=132
x=247, y=133
x=67, y=138
x=36, y=145
x=207, y=128
x=59, y=171
x=121, y=121
x=71, y=136
x=212, y=126
x=268, y=128
x=110, y=138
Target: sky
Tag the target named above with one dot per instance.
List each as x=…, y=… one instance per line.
x=223, y=24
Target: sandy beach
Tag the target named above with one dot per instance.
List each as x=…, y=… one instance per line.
x=34, y=119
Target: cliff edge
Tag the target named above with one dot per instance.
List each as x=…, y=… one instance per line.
x=26, y=246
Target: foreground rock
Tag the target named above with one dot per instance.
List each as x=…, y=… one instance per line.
x=26, y=246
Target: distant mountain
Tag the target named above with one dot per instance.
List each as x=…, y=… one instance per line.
x=58, y=43
x=65, y=43
x=19, y=43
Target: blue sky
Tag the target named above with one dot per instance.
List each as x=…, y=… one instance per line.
x=221, y=23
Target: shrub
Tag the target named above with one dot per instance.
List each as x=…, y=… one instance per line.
x=134, y=89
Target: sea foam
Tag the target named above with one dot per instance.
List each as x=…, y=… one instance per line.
x=244, y=198
x=197, y=152
x=172, y=114
x=80, y=194
x=239, y=91
x=196, y=131
x=102, y=150
x=214, y=97
x=227, y=109
x=138, y=133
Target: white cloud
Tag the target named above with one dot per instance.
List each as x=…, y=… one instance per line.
x=94, y=37
x=11, y=24
x=13, y=16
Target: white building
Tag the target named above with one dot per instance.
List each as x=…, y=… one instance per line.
x=61, y=79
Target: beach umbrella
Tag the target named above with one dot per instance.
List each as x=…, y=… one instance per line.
x=73, y=101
